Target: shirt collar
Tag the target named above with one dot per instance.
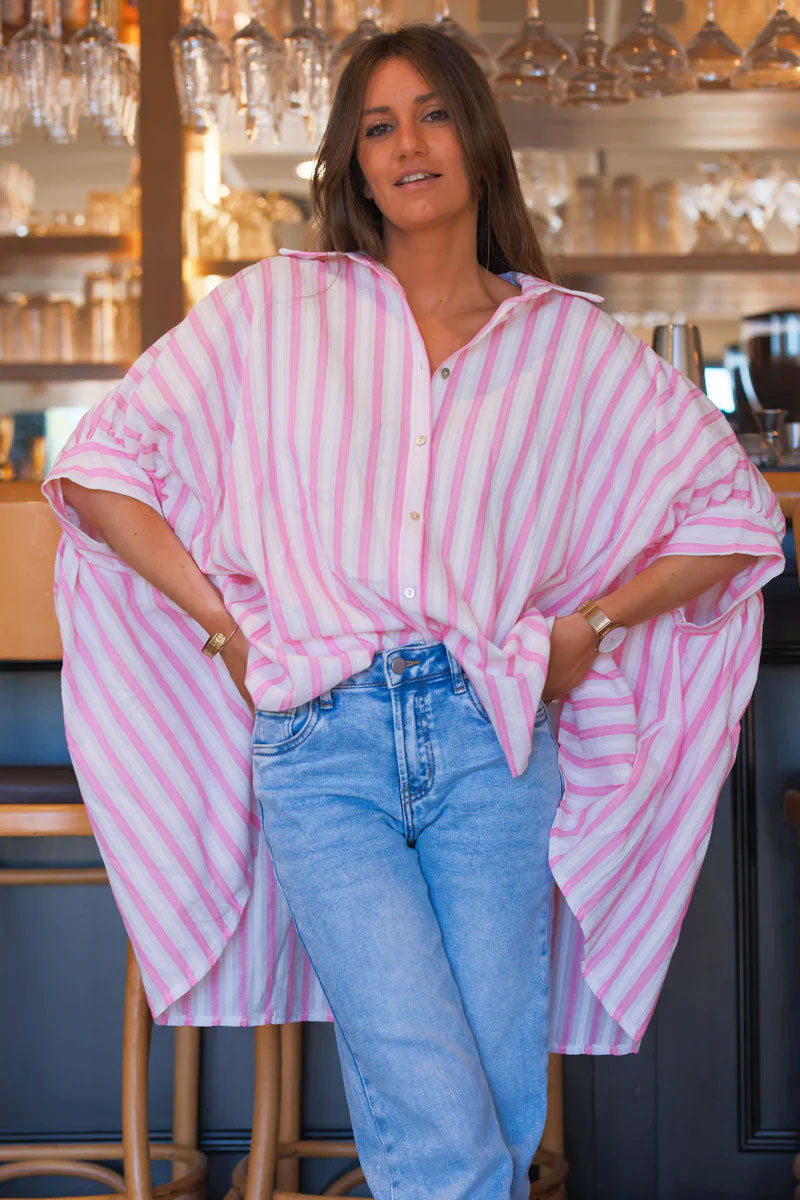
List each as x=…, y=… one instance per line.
x=531, y=285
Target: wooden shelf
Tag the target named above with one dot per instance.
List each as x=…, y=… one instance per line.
x=57, y=372
x=721, y=287
x=69, y=245
x=680, y=264
x=199, y=268
x=588, y=264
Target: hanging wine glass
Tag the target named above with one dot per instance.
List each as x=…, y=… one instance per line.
x=712, y=55
x=62, y=123
x=9, y=100
x=656, y=60
x=308, y=54
x=772, y=60
x=528, y=65
x=129, y=97
x=37, y=64
x=257, y=66
x=370, y=23
x=594, y=82
x=95, y=56
x=200, y=66
x=481, y=53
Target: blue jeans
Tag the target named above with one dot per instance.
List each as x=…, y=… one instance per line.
x=415, y=868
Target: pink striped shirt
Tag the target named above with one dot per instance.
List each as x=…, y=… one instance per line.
x=344, y=501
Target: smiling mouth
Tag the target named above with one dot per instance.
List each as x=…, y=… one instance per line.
x=430, y=175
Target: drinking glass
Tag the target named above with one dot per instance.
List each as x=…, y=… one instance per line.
x=771, y=422
x=9, y=99
x=594, y=81
x=308, y=86
x=370, y=23
x=257, y=66
x=712, y=55
x=62, y=124
x=37, y=63
x=656, y=61
x=96, y=61
x=481, y=53
x=528, y=65
x=200, y=67
x=772, y=60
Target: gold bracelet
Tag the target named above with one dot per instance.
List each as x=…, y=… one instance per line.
x=217, y=641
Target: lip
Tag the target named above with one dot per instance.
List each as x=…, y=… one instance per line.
x=418, y=182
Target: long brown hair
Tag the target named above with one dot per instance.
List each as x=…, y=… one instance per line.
x=343, y=217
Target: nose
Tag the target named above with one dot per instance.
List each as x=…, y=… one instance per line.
x=410, y=137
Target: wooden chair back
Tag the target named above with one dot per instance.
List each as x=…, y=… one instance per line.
x=29, y=535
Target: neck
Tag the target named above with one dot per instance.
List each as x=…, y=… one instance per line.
x=437, y=267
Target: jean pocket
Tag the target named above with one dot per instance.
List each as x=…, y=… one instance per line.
x=475, y=699
x=278, y=732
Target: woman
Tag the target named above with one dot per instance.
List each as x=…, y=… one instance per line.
x=413, y=489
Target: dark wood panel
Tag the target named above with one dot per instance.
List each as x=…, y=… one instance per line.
x=161, y=153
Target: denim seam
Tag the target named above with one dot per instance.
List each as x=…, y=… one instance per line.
x=327, y=997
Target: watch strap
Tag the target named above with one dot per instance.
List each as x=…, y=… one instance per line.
x=600, y=622
x=217, y=641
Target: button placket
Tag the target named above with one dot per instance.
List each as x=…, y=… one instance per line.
x=416, y=483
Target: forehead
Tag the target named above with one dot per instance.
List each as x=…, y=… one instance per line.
x=396, y=75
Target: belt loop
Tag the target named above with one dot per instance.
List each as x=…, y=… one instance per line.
x=326, y=700
x=456, y=672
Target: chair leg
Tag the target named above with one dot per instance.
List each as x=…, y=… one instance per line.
x=553, y=1132
x=186, y=1090
x=289, y=1123
x=137, y=1028
x=266, y=1111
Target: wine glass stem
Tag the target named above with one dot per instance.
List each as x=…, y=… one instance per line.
x=533, y=10
x=38, y=10
x=711, y=13
x=591, y=19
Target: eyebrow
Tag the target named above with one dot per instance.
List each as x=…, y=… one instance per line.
x=384, y=108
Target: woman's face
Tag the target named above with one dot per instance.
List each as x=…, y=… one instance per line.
x=410, y=132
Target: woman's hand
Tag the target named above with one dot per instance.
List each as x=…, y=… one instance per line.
x=234, y=655
x=572, y=652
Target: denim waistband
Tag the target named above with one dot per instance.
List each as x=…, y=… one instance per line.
x=404, y=664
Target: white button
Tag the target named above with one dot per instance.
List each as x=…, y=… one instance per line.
x=414, y=516
x=421, y=439
x=445, y=372
x=409, y=592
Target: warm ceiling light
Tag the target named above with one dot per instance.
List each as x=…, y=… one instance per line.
x=305, y=169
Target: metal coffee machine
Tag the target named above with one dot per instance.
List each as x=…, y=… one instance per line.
x=765, y=366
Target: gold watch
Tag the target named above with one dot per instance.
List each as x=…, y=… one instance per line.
x=217, y=642
x=602, y=625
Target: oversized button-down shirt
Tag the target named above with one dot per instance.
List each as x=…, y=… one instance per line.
x=344, y=500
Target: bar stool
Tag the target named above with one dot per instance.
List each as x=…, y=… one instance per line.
x=271, y=1170
x=44, y=801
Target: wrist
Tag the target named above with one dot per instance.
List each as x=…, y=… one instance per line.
x=607, y=632
x=215, y=618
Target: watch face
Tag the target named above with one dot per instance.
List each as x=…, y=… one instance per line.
x=613, y=639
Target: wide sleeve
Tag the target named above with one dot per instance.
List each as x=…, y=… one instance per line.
x=648, y=737
x=688, y=488
x=158, y=733
x=113, y=448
